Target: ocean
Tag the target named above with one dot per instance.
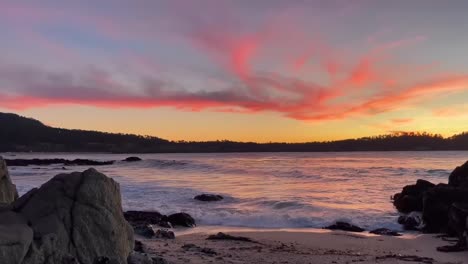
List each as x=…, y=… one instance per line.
x=262, y=190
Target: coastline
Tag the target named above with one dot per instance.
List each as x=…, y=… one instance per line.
x=299, y=246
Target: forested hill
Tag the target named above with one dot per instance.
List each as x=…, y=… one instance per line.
x=20, y=134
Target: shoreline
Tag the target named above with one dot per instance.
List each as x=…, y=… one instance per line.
x=212, y=229
x=300, y=246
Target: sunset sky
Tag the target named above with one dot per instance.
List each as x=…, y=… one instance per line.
x=245, y=70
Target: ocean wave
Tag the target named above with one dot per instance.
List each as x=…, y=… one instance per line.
x=278, y=205
x=438, y=171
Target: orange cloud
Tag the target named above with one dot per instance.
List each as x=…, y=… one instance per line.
x=402, y=120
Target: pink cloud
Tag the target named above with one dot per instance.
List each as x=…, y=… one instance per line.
x=249, y=59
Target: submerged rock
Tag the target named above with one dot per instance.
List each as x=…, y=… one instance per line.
x=132, y=159
x=181, y=219
x=208, y=197
x=385, y=232
x=8, y=192
x=345, y=227
x=76, y=216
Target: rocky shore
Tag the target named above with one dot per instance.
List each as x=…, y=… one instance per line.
x=441, y=208
x=74, y=218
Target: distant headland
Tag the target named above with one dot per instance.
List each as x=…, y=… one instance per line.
x=21, y=134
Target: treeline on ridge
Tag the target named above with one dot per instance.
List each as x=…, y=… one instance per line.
x=20, y=134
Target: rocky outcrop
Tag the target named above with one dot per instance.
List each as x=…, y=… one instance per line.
x=433, y=201
x=459, y=177
x=411, y=197
x=44, y=162
x=208, y=197
x=145, y=218
x=437, y=203
x=73, y=218
x=8, y=192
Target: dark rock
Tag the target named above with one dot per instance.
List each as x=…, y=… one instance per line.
x=76, y=215
x=132, y=159
x=459, y=176
x=165, y=224
x=223, y=236
x=437, y=203
x=411, y=197
x=208, y=197
x=162, y=233
x=181, y=219
x=159, y=260
x=144, y=230
x=193, y=247
x=15, y=237
x=345, y=227
x=44, y=162
x=144, y=217
x=8, y=192
x=385, y=232
x=105, y=260
x=458, y=223
x=138, y=246
x=140, y=258
x=411, y=221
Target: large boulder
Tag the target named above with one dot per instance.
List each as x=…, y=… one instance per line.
x=8, y=192
x=76, y=217
x=459, y=176
x=437, y=203
x=15, y=237
x=411, y=197
x=181, y=219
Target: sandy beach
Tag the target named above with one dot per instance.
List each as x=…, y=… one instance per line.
x=312, y=246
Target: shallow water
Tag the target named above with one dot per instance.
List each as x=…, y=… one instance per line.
x=263, y=190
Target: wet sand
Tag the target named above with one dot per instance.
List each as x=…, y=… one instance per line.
x=299, y=246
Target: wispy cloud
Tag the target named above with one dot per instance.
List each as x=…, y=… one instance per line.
x=270, y=63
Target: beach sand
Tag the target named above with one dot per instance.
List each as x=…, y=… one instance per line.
x=313, y=246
